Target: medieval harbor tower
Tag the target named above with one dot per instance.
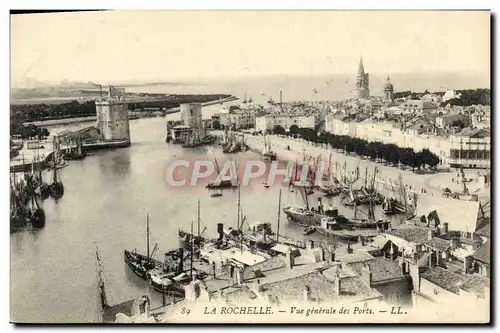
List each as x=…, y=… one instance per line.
x=362, y=82
x=112, y=118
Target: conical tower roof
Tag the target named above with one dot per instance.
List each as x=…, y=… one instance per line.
x=361, y=68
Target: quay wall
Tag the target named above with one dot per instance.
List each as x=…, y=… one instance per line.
x=88, y=147
x=299, y=148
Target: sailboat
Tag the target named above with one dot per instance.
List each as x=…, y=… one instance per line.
x=140, y=264
x=132, y=311
x=311, y=216
x=219, y=184
x=75, y=153
x=245, y=100
x=56, y=189
x=268, y=154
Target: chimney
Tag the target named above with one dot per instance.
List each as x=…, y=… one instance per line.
x=281, y=97
x=366, y=274
x=445, y=227
x=289, y=259
x=307, y=293
x=180, y=268
x=220, y=231
x=336, y=284
x=192, y=291
x=239, y=277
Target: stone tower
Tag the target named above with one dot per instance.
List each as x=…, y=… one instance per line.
x=362, y=82
x=388, y=89
x=112, y=117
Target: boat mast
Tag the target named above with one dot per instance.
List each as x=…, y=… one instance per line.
x=279, y=211
x=192, y=250
x=147, y=233
x=198, y=219
x=216, y=164
x=100, y=282
x=54, y=174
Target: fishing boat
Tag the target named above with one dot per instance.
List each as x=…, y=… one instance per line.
x=56, y=189
x=268, y=154
x=190, y=240
x=218, y=183
x=140, y=264
x=77, y=153
x=309, y=230
x=311, y=216
x=388, y=206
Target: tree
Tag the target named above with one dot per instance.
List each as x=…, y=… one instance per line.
x=294, y=129
x=278, y=129
x=458, y=123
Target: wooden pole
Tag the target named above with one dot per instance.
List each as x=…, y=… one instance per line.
x=279, y=211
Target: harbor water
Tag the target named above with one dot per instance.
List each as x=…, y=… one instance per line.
x=107, y=196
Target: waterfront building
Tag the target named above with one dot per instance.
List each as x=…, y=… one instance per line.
x=470, y=148
x=362, y=82
x=239, y=119
x=388, y=90
x=266, y=123
x=112, y=117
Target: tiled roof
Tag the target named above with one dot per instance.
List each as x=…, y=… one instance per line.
x=485, y=231
x=438, y=244
x=444, y=279
x=476, y=284
x=385, y=269
x=320, y=287
x=414, y=234
x=268, y=265
x=483, y=254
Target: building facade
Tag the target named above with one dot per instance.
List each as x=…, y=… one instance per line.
x=242, y=119
x=362, y=82
x=112, y=118
x=267, y=123
x=469, y=148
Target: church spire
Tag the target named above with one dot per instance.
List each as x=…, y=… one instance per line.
x=361, y=68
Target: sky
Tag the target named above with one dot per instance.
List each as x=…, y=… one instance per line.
x=129, y=46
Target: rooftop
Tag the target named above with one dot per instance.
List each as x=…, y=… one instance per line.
x=483, y=254
x=385, y=269
x=410, y=234
x=445, y=279
x=476, y=284
x=461, y=215
x=484, y=231
x=438, y=244
x=263, y=267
